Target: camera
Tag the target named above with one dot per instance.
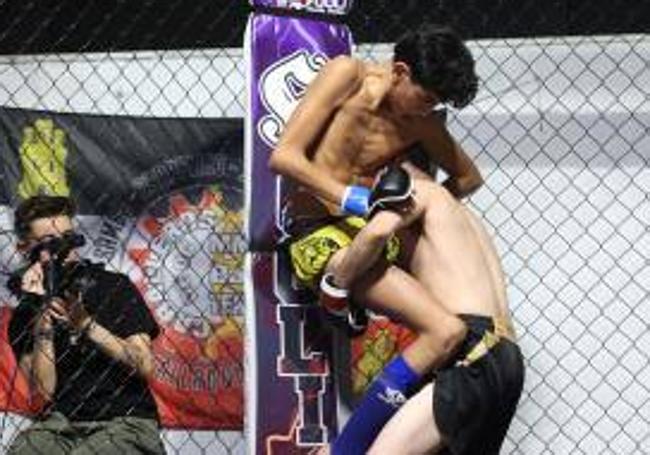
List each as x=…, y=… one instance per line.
x=59, y=277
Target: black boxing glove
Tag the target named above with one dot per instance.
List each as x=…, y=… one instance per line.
x=393, y=188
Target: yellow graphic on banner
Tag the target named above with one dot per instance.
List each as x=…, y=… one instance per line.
x=229, y=258
x=42, y=158
x=371, y=351
x=378, y=349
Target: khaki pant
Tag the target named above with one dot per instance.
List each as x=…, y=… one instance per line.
x=56, y=435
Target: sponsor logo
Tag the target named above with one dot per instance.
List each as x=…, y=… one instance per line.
x=301, y=358
x=393, y=397
x=318, y=6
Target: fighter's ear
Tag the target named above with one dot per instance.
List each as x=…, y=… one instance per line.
x=401, y=70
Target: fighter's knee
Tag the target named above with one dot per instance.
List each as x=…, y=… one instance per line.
x=382, y=226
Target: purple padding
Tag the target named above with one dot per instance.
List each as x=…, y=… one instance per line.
x=284, y=56
x=296, y=403
x=291, y=404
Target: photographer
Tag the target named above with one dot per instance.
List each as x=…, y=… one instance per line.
x=82, y=335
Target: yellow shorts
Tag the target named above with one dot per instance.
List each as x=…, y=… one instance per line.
x=311, y=253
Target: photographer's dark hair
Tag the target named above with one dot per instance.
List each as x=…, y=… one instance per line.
x=40, y=207
x=439, y=61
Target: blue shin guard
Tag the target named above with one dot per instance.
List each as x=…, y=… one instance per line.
x=382, y=399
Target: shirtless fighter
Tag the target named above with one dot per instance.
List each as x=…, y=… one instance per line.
x=470, y=404
x=354, y=119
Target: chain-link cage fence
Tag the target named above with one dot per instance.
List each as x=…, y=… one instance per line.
x=559, y=130
x=182, y=246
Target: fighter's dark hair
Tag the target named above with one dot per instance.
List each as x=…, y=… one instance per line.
x=37, y=207
x=440, y=61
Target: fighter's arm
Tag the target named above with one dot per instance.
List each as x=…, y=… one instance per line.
x=464, y=177
x=335, y=82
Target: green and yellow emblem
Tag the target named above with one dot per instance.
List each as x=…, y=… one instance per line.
x=42, y=157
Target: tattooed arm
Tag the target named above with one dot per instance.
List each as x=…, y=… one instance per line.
x=134, y=351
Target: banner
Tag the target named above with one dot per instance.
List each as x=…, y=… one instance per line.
x=291, y=396
x=280, y=68
x=160, y=200
x=292, y=401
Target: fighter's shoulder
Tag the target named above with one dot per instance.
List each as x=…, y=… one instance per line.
x=345, y=65
x=345, y=70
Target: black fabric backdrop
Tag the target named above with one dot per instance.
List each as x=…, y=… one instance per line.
x=120, y=164
x=46, y=26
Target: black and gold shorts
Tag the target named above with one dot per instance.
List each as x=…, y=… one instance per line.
x=476, y=395
x=311, y=253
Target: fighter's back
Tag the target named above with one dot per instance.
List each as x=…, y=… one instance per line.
x=467, y=276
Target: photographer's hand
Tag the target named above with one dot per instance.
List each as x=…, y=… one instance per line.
x=72, y=312
x=32, y=280
x=44, y=322
x=134, y=351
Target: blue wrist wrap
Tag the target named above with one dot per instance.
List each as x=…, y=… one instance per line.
x=355, y=200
